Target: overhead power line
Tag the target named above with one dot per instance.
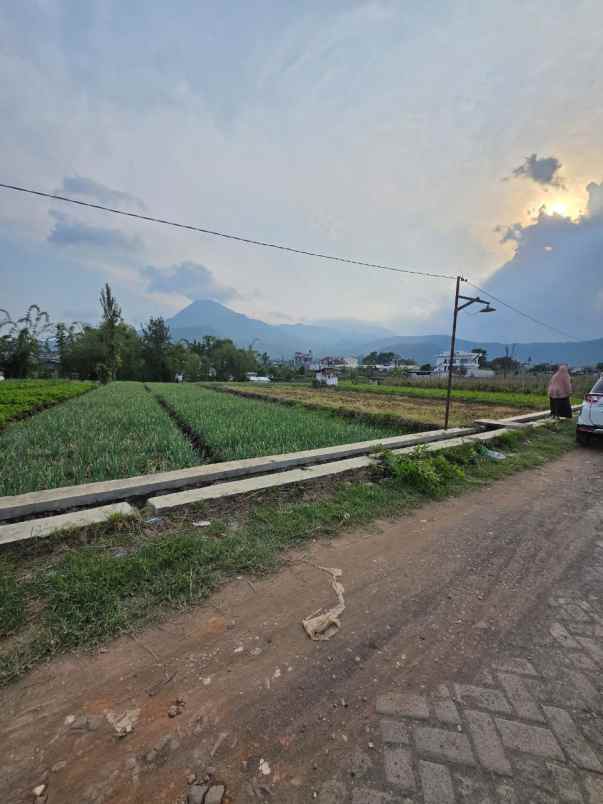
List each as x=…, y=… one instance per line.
x=521, y=312
x=278, y=246
x=226, y=236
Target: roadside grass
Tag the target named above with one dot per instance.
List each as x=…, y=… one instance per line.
x=85, y=594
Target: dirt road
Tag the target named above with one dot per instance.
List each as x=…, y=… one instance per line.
x=442, y=597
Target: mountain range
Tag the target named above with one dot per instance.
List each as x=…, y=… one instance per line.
x=351, y=337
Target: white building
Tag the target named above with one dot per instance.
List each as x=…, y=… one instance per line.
x=466, y=363
x=325, y=376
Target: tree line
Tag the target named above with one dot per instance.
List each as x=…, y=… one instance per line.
x=33, y=346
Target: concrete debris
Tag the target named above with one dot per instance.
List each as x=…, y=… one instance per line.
x=215, y=794
x=124, y=722
x=265, y=768
x=154, y=520
x=196, y=794
x=204, y=523
x=39, y=790
x=325, y=624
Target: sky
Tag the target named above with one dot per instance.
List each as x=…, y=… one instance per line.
x=446, y=136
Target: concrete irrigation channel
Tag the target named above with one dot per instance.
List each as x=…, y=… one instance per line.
x=214, y=481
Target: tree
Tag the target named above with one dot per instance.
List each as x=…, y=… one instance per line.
x=599, y=366
x=22, y=340
x=426, y=367
x=504, y=364
x=111, y=320
x=156, y=351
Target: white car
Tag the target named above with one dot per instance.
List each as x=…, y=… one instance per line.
x=590, y=419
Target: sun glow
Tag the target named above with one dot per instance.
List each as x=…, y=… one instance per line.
x=558, y=208
x=565, y=207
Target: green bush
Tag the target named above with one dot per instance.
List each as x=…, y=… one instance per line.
x=423, y=472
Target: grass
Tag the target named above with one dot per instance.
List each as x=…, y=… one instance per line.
x=19, y=398
x=510, y=398
x=118, y=430
x=82, y=595
x=232, y=428
x=411, y=414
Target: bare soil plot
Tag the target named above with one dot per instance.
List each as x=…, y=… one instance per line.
x=429, y=412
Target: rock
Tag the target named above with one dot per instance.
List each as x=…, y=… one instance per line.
x=191, y=778
x=41, y=789
x=150, y=757
x=196, y=794
x=215, y=794
x=173, y=711
x=58, y=766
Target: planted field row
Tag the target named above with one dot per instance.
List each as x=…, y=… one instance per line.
x=509, y=398
x=232, y=428
x=410, y=413
x=21, y=397
x=116, y=431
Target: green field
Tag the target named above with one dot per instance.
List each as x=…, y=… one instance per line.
x=21, y=397
x=118, y=430
x=232, y=428
x=121, y=430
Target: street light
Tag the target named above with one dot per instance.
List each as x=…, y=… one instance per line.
x=467, y=301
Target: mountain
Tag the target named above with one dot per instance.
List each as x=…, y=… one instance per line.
x=424, y=348
x=206, y=317
x=350, y=337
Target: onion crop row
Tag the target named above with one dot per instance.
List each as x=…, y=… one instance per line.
x=233, y=428
x=116, y=431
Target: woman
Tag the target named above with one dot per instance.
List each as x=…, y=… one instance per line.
x=560, y=391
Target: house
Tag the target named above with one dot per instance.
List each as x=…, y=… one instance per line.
x=325, y=376
x=303, y=360
x=466, y=363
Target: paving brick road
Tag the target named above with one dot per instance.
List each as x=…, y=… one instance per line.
x=529, y=729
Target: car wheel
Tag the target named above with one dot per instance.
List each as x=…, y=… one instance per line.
x=582, y=438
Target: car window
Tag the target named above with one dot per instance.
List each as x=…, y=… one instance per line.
x=598, y=389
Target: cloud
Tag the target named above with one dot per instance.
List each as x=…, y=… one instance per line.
x=543, y=170
x=555, y=275
x=80, y=185
x=189, y=279
x=69, y=232
x=595, y=199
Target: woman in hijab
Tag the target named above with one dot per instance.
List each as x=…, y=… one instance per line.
x=560, y=391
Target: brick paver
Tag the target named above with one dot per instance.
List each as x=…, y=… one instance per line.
x=525, y=728
x=528, y=729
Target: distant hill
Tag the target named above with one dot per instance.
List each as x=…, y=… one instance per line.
x=424, y=348
x=205, y=317
x=349, y=337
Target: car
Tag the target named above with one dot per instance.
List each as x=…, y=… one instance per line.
x=590, y=419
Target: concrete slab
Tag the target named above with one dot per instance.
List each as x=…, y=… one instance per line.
x=168, y=502
x=59, y=499
x=46, y=526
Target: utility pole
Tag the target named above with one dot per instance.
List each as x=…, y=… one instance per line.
x=468, y=300
x=452, y=347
